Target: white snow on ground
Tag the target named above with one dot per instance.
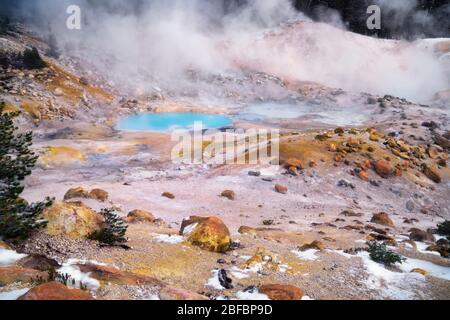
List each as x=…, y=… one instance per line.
x=422, y=246
x=309, y=255
x=307, y=298
x=167, y=238
x=238, y=273
x=252, y=295
x=9, y=257
x=214, y=281
x=392, y=284
x=432, y=268
x=13, y=295
x=79, y=277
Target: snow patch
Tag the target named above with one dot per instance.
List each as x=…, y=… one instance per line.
x=13, y=294
x=168, y=238
x=251, y=295
x=214, y=281
x=309, y=255
x=9, y=257
x=78, y=278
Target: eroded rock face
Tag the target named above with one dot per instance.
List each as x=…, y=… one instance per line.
x=55, y=291
x=281, y=291
x=168, y=195
x=383, y=219
x=3, y=245
x=10, y=275
x=208, y=233
x=74, y=220
x=139, y=216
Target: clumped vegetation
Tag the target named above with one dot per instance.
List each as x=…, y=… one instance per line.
x=379, y=253
x=31, y=59
x=444, y=229
x=113, y=233
x=18, y=218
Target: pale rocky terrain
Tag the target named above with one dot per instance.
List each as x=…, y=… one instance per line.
x=372, y=154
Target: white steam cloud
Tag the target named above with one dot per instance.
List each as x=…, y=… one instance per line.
x=146, y=43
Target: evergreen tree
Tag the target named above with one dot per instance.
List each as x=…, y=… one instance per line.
x=17, y=217
x=113, y=232
x=31, y=59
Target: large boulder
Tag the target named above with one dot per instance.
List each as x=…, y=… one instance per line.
x=208, y=233
x=72, y=219
x=55, y=291
x=383, y=219
x=281, y=291
x=10, y=275
x=139, y=216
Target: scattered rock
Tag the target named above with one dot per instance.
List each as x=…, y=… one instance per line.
x=432, y=173
x=229, y=194
x=98, y=194
x=351, y=213
x=293, y=162
x=168, y=195
x=410, y=205
x=316, y=244
x=224, y=280
x=281, y=291
x=78, y=192
x=72, y=219
x=254, y=173
x=281, y=189
x=208, y=233
x=420, y=235
x=421, y=271
x=139, y=216
x=383, y=219
x=345, y=184
x=384, y=169
x=55, y=291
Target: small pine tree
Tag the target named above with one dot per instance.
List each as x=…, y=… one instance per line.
x=113, y=232
x=17, y=218
x=444, y=229
x=31, y=59
x=379, y=253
